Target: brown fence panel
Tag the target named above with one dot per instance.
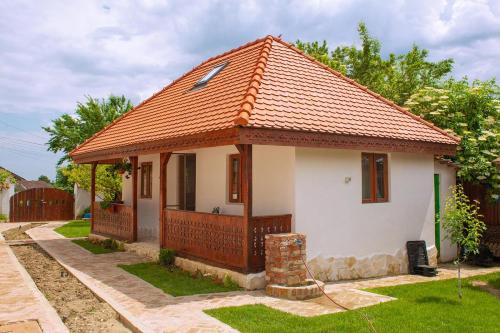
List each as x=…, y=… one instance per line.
x=211, y=237
x=260, y=226
x=41, y=204
x=490, y=210
x=115, y=222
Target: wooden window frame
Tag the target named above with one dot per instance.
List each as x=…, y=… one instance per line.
x=373, y=178
x=231, y=185
x=147, y=192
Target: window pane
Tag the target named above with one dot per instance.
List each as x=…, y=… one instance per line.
x=366, y=176
x=379, y=168
x=235, y=167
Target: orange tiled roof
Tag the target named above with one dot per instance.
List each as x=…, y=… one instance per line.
x=267, y=84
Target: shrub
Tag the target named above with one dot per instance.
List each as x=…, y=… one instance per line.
x=228, y=282
x=86, y=210
x=167, y=257
x=3, y=218
x=108, y=243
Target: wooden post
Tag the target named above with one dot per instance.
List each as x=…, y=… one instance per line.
x=92, y=195
x=134, y=162
x=246, y=192
x=164, y=157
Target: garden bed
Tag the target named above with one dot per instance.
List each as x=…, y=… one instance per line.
x=176, y=282
x=80, y=310
x=94, y=247
x=20, y=232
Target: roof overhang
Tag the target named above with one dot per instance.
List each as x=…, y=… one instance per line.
x=262, y=136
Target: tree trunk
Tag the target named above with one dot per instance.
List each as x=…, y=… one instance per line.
x=459, y=276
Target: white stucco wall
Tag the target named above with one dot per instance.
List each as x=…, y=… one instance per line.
x=273, y=184
x=82, y=200
x=447, y=176
x=4, y=200
x=337, y=224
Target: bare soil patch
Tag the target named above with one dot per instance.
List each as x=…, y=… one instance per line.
x=19, y=232
x=79, y=309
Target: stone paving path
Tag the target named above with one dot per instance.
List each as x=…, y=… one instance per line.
x=20, y=299
x=151, y=310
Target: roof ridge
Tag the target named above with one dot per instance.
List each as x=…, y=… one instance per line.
x=366, y=89
x=250, y=96
x=233, y=50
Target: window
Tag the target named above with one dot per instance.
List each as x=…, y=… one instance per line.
x=374, y=177
x=146, y=179
x=213, y=72
x=234, y=178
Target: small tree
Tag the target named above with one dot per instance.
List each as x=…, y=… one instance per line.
x=463, y=226
x=6, y=179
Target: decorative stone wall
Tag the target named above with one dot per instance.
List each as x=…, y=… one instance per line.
x=284, y=255
x=349, y=268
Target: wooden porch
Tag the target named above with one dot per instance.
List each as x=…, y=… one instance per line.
x=232, y=241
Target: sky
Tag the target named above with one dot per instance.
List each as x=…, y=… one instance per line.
x=54, y=53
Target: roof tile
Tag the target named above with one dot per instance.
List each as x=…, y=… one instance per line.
x=266, y=84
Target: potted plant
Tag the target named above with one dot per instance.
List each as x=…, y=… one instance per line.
x=123, y=167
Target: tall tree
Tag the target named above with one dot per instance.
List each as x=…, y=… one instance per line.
x=44, y=178
x=397, y=77
x=68, y=131
x=471, y=111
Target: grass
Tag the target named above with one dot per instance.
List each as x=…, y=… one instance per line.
x=92, y=247
x=422, y=307
x=175, y=281
x=76, y=228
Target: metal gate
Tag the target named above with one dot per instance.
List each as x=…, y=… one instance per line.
x=41, y=204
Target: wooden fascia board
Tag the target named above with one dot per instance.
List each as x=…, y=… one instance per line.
x=276, y=137
x=260, y=136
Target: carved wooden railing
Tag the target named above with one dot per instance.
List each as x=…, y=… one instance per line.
x=212, y=237
x=260, y=226
x=115, y=222
x=218, y=239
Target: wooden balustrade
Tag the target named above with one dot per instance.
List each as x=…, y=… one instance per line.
x=260, y=226
x=219, y=239
x=115, y=221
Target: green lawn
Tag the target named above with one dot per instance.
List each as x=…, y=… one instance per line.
x=422, y=307
x=174, y=281
x=76, y=228
x=94, y=248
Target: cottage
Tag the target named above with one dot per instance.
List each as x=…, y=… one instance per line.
x=264, y=139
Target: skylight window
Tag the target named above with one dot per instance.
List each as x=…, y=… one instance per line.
x=213, y=72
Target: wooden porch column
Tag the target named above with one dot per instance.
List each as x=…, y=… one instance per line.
x=92, y=195
x=134, y=162
x=246, y=194
x=164, y=158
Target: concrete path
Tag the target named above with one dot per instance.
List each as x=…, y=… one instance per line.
x=151, y=310
x=20, y=299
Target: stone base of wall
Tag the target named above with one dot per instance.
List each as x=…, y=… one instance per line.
x=246, y=281
x=350, y=268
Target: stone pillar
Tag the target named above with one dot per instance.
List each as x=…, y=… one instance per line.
x=284, y=265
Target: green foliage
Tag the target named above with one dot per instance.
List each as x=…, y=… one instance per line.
x=175, y=281
x=420, y=307
x=68, y=131
x=395, y=78
x=461, y=220
x=3, y=218
x=6, y=180
x=76, y=228
x=62, y=182
x=228, y=282
x=94, y=247
x=44, y=178
x=166, y=257
x=108, y=180
x=471, y=111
